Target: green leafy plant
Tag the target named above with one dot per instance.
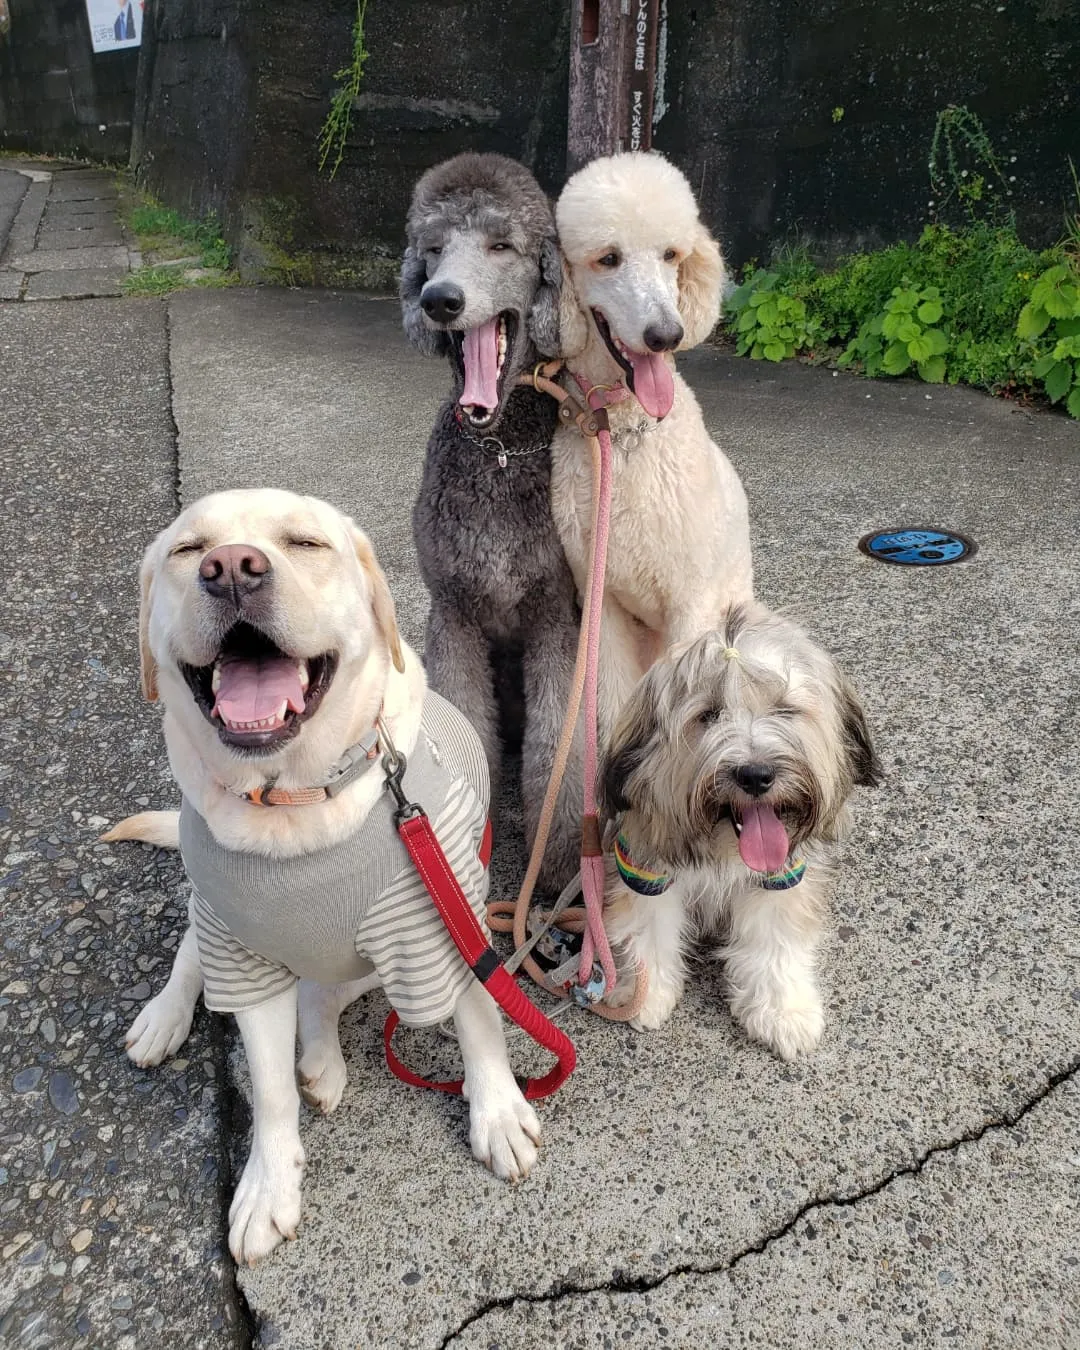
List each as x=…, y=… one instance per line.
x=771, y=324
x=1051, y=322
x=335, y=130
x=963, y=165
x=902, y=335
x=165, y=232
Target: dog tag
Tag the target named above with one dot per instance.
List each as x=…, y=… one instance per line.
x=502, y=459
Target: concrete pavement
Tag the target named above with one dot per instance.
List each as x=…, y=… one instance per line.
x=914, y=1183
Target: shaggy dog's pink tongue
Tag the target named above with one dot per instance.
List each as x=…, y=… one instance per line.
x=763, y=841
x=654, y=383
x=258, y=691
x=481, y=352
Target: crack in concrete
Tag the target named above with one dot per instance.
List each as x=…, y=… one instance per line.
x=174, y=430
x=645, y=1285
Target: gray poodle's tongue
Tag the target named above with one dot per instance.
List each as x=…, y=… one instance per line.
x=654, y=383
x=481, y=352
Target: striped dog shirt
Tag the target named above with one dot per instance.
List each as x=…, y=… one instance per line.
x=360, y=905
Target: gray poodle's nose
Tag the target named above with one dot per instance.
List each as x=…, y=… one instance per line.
x=442, y=301
x=663, y=337
x=754, y=779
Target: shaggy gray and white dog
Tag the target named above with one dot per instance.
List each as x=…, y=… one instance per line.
x=480, y=284
x=730, y=772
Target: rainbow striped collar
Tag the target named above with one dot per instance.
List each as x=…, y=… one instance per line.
x=646, y=882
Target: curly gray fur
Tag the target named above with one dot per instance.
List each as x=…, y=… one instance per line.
x=488, y=550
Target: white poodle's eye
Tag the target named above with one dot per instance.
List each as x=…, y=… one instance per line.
x=670, y=255
x=611, y=259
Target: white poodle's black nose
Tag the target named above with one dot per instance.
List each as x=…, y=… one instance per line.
x=663, y=337
x=754, y=779
x=442, y=301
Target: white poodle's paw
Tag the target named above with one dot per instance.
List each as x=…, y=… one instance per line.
x=789, y=1028
x=504, y=1132
x=160, y=1029
x=661, y=999
x=322, y=1075
x=266, y=1206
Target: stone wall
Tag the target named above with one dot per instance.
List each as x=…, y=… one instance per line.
x=792, y=121
x=56, y=95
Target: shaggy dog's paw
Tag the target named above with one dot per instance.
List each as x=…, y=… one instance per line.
x=160, y=1029
x=789, y=1029
x=322, y=1076
x=266, y=1206
x=504, y=1132
x=661, y=999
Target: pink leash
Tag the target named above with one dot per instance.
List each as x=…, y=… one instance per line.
x=594, y=939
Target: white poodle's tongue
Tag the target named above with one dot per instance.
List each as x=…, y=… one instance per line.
x=259, y=690
x=481, y=351
x=654, y=383
x=763, y=841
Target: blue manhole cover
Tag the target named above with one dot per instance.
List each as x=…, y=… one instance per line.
x=917, y=548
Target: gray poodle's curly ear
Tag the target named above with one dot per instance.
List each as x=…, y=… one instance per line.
x=701, y=281
x=573, y=327
x=413, y=275
x=543, y=321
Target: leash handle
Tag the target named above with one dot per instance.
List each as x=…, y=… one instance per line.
x=418, y=836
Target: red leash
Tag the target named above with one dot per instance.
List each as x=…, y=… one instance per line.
x=416, y=833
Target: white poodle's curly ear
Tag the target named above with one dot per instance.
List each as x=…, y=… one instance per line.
x=701, y=281
x=413, y=275
x=147, y=664
x=382, y=602
x=543, y=321
x=573, y=327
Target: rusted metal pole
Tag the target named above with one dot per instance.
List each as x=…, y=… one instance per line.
x=612, y=77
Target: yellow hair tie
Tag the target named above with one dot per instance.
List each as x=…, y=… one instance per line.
x=731, y=653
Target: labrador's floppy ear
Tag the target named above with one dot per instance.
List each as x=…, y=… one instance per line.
x=701, y=281
x=413, y=275
x=543, y=320
x=147, y=664
x=573, y=328
x=381, y=599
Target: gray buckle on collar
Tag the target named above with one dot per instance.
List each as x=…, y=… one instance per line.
x=355, y=762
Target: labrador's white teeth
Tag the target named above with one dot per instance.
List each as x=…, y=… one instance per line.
x=302, y=672
x=215, y=679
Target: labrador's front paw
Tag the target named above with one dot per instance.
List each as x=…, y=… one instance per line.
x=504, y=1132
x=160, y=1029
x=322, y=1075
x=266, y=1206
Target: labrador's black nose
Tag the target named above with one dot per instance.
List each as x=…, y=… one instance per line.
x=755, y=779
x=441, y=301
x=233, y=571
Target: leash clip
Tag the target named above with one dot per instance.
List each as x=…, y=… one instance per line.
x=394, y=765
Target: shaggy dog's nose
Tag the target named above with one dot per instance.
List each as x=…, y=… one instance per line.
x=663, y=337
x=442, y=302
x=233, y=570
x=754, y=779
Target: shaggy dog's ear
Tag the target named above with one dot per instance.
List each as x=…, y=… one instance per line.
x=573, y=327
x=147, y=664
x=543, y=321
x=381, y=600
x=413, y=275
x=631, y=745
x=701, y=280
x=866, y=768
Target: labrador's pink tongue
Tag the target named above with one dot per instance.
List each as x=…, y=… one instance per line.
x=251, y=691
x=481, y=350
x=763, y=843
x=654, y=383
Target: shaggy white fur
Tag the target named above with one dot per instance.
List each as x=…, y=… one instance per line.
x=643, y=278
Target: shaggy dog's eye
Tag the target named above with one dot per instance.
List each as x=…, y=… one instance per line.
x=709, y=716
x=191, y=546
x=670, y=254
x=306, y=543
x=611, y=259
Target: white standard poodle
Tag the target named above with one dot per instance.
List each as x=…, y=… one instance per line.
x=642, y=280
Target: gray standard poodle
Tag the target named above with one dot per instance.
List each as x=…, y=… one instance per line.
x=480, y=285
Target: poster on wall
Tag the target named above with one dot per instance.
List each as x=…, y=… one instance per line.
x=114, y=24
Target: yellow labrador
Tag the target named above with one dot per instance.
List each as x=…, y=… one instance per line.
x=267, y=630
